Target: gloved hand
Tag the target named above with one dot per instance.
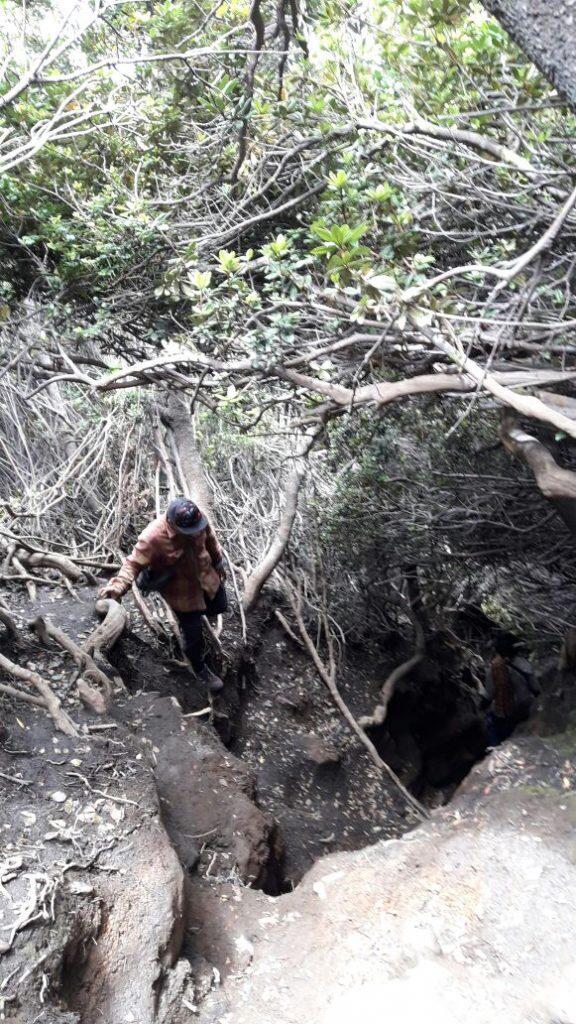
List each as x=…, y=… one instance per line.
x=109, y=591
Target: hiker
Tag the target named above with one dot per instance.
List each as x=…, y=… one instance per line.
x=178, y=555
x=511, y=687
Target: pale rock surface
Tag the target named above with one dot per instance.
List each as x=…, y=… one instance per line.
x=470, y=917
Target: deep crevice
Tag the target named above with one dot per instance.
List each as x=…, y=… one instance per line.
x=433, y=736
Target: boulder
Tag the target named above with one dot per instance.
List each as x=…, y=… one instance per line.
x=206, y=796
x=469, y=917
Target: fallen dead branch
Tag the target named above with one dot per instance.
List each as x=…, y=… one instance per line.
x=328, y=676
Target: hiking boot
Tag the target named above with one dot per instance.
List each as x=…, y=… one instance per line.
x=211, y=680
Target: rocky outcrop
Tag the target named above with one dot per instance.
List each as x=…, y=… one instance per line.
x=206, y=795
x=470, y=917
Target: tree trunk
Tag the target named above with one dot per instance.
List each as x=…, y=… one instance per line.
x=546, y=31
x=183, y=449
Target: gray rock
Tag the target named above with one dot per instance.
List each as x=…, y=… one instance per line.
x=318, y=750
x=470, y=917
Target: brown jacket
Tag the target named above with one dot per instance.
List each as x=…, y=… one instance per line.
x=160, y=547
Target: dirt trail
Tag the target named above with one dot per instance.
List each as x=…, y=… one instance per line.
x=114, y=841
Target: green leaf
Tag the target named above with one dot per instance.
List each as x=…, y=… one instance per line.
x=337, y=180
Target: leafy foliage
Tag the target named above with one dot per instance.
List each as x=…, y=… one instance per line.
x=171, y=183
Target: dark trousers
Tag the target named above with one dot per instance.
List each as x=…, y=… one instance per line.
x=499, y=728
x=191, y=626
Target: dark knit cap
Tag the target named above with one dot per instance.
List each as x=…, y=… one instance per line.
x=185, y=516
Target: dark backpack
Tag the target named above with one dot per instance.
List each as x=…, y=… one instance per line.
x=151, y=580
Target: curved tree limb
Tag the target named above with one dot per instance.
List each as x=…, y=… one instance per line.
x=278, y=545
x=328, y=676
x=555, y=483
x=510, y=269
x=378, y=716
x=526, y=405
x=266, y=567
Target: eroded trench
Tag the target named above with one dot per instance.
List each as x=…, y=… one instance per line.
x=251, y=792
x=312, y=781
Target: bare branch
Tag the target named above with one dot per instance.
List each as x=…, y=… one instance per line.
x=328, y=677
x=266, y=567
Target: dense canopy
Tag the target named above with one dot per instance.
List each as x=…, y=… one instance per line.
x=298, y=217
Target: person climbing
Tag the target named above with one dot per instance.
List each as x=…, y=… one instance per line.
x=511, y=687
x=178, y=554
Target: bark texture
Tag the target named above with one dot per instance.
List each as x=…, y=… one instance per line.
x=546, y=31
x=189, y=471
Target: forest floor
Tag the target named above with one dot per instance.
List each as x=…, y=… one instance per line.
x=151, y=799
x=148, y=864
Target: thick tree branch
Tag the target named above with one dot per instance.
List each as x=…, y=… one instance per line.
x=266, y=567
x=555, y=483
x=483, y=143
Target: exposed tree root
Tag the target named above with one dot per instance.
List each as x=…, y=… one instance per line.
x=264, y=570
x=28, y=698
x=99, y=702
x=110, y=629
x=51, y=702
x=52, y=560
x=378, y=716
